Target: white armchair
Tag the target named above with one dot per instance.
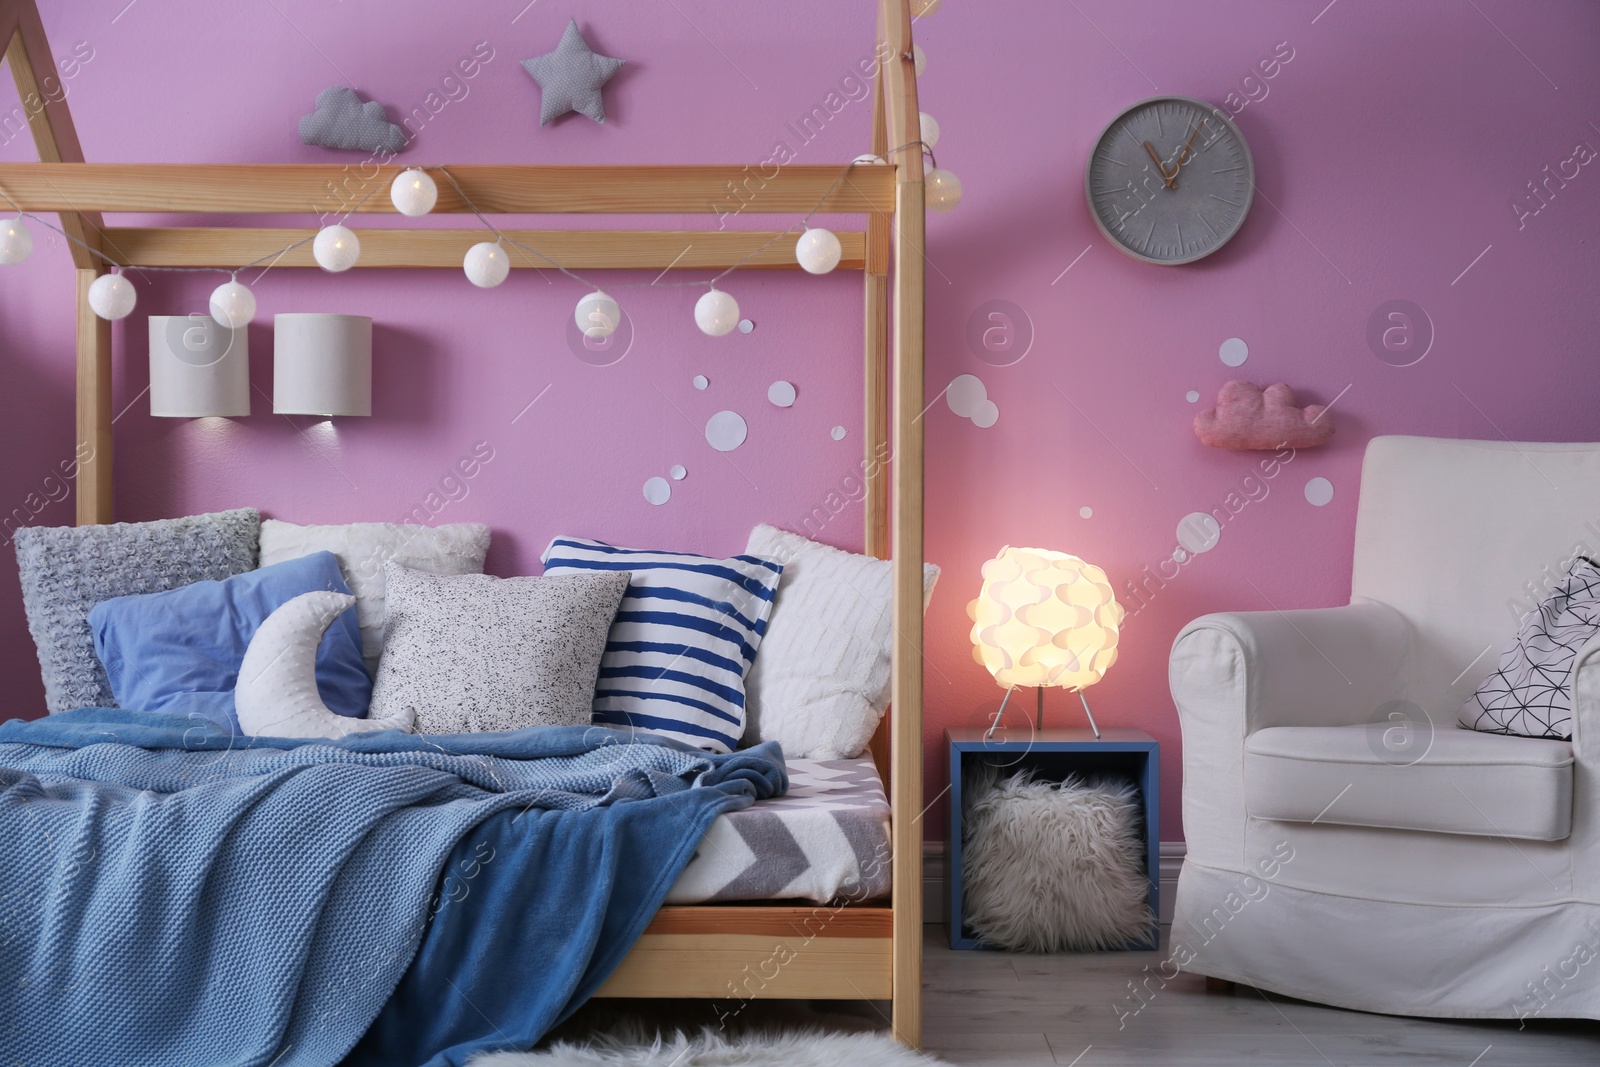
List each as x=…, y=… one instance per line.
x=1347, y=842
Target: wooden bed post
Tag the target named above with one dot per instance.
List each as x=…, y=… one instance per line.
x=875, y=277
x=44, y=101
x=899, y=84
x=94, y=408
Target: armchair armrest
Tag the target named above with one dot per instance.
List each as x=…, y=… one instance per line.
x=1234, y=673
x=1318, y=667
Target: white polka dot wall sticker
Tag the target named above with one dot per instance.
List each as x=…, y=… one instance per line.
x=838, y=433
x=1199, y=532
x=701, y=381
x=726, y=431
x=968, y=397
x=1319, y=491
x=1192, y=396
x=1086, y=513
x=657, y=490
x=781, y=394
x=679, y=472
x=1233, y=352
x=746, y=326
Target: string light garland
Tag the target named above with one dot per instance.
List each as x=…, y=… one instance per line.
x=818, y=251
x=16, y=242
x=486, y=264
x=232, y=304
x=337, y=248
x=414, y=192
x=111, y=296
x=598, y=315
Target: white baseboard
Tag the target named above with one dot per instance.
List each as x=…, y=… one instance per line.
x=933, y=897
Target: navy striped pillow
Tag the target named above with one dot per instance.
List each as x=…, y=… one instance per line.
x=683, y=639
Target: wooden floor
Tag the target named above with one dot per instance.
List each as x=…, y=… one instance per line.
x=1007, y=1010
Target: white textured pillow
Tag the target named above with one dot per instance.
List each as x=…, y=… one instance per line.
x=364, y=547
x=821, y=681
x=469, y=652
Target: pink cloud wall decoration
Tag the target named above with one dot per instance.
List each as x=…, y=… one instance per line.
x=1249, y=417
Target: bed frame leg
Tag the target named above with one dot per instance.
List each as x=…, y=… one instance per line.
x=1220, y=985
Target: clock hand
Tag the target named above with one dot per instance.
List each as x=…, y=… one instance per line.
x=1166, y=179
x=1183, y=157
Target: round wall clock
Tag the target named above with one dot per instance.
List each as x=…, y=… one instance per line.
x=1170, y=180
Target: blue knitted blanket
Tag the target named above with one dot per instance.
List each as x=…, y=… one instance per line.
x=170, y=895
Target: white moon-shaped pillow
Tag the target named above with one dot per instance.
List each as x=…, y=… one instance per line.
x=277, y=691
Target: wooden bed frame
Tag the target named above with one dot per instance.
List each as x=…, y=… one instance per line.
x=725, y=953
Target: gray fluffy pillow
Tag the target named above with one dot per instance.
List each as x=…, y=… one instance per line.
x=66, y=570
x=472, y=652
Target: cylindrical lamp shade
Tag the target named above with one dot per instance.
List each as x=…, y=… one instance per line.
x=198, y=368
x=1044, y=618
x=322, y=365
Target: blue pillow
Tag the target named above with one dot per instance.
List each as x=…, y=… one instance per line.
x=179, y=651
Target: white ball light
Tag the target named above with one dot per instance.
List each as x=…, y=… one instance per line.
x=716, y=313
x=919, y=59
x=111, y=296
x=233, y=305
x=16, y=243
x=336, y=248
x=942, y=190
x=818, y=250
x=598, y=316
x=486, y=264
x=413, y=192
x=930, y=130
x=919, y=8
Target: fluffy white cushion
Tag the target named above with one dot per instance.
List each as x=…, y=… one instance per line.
x=1050, y=866
x=276, y=694
x=821, y=682
x=364, y=547
x=471, y=652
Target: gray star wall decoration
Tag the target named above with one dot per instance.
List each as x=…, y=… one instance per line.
x=570, y=78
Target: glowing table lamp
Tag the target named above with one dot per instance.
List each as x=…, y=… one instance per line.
x=1044, y=618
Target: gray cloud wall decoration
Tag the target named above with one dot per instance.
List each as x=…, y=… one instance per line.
x=341, y=120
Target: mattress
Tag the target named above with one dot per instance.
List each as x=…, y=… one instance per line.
x=826, y=839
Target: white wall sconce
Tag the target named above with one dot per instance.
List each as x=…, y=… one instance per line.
x=322, y=365
x=198, y=368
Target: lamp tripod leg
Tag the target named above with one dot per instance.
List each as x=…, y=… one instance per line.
x=1040, y=712
x=995, y=725
x=1086, y=711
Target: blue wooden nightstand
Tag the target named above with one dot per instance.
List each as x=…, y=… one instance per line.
x=1053, y=754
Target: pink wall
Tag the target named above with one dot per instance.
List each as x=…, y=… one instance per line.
x=1389, y=150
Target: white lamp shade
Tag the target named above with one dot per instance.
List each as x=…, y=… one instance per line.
x=322, y=365
x=198, y=368
x=1044, y=618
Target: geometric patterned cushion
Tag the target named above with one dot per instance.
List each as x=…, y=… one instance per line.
x=1530, y=695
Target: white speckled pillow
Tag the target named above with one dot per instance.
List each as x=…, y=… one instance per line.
x=472, y=652
x=66, y=570
x=821, y=683
x=364, y=547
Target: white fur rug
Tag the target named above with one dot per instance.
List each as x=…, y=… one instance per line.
x=1053, y=866
x=631, y=1048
